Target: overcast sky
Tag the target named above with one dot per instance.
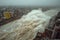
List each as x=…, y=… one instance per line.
x=30, y=3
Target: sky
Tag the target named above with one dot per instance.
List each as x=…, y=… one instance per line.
x=30, y=3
